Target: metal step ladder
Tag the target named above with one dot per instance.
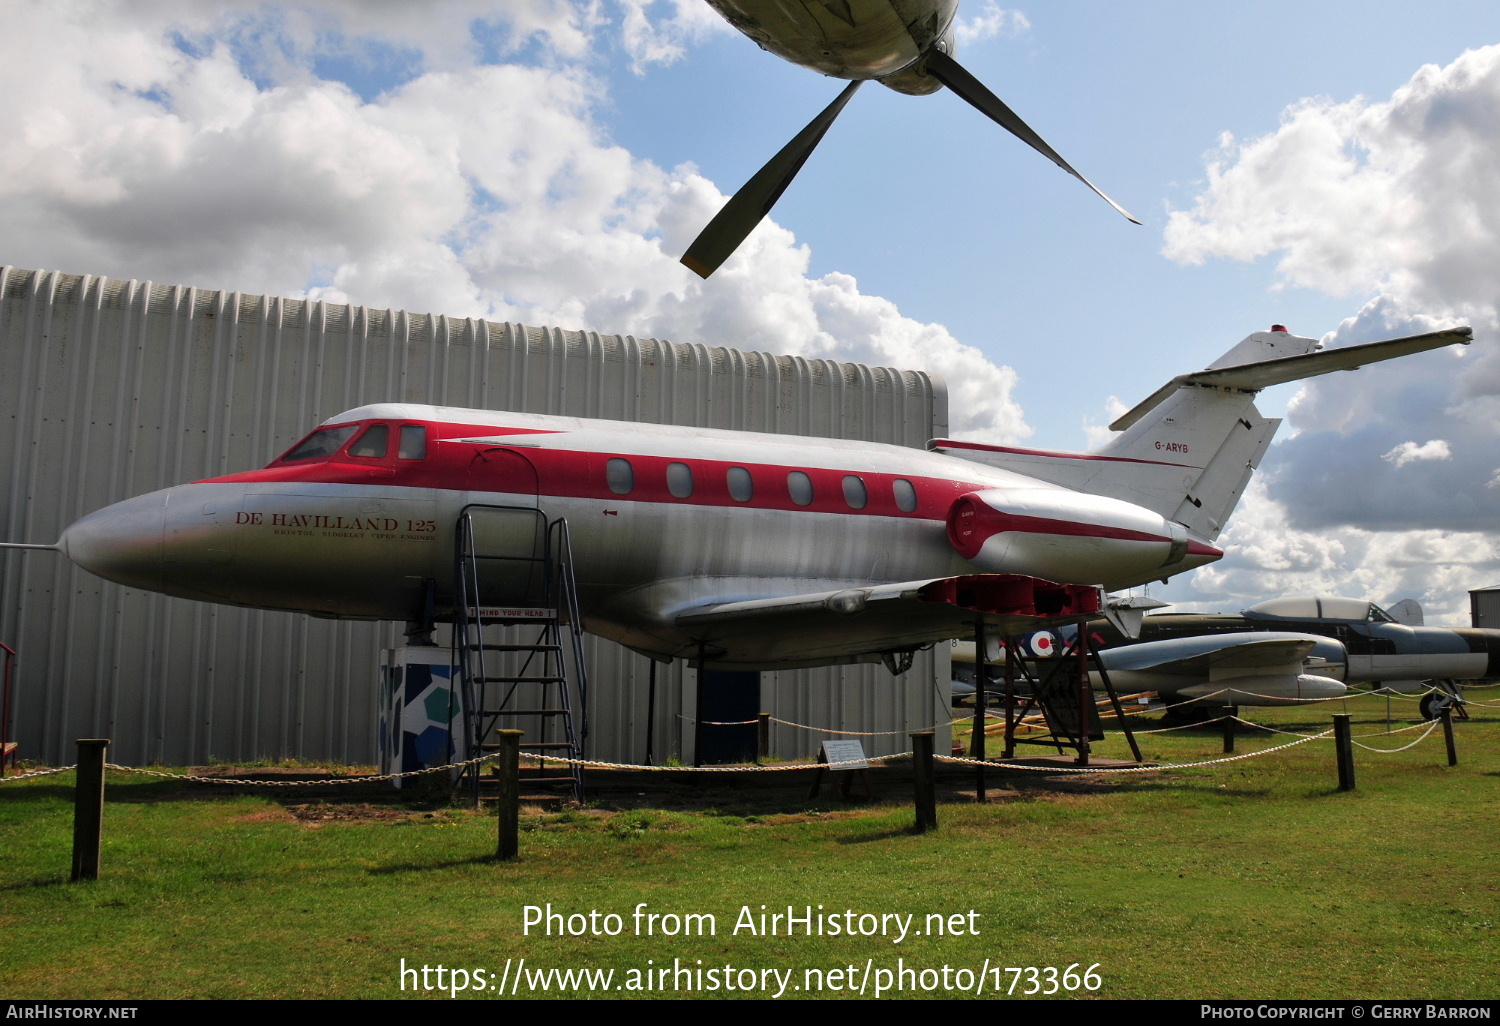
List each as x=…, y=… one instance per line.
x=518, y=643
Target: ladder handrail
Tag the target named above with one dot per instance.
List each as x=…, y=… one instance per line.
x=569, y=586
x=552, y=549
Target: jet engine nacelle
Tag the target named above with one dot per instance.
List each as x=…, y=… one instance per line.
x=1267, y=689
x=1065, y=536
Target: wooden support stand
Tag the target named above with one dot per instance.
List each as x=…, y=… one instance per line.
x=88, y=808
x=981, y=710
x=1071, y=718
x=841, y=751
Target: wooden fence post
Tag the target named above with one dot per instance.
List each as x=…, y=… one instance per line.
x=1447, y=715
x=925, y=781
x=88, y=808
x=509, y=806
x=1343, y=744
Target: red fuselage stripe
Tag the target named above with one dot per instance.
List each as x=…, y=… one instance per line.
x=944, y=443
x=459, y=466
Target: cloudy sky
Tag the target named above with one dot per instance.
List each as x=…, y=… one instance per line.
x=1333, y=166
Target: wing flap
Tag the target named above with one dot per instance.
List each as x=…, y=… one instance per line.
x=855, y=624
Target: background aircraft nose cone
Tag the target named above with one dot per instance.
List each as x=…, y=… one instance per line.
x=123, y=542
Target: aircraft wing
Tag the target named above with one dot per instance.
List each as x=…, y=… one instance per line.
x=1252, y=377
x=1213, y=656
x=856, y=624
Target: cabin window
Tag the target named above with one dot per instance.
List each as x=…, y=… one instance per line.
x=373, y=442
x=854, y=492
x=741, y=485
x=620, y=476
x=906, y=495
x=679, y=480
x=323, y=442
x=413, y=442
x=799, y=485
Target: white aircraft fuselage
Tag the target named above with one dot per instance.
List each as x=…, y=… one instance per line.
x=739, y=549
x=664, y=521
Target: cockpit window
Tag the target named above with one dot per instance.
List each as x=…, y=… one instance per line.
x=413, y=442
x=373, y=443
x=323, y=442
x=1378, y=615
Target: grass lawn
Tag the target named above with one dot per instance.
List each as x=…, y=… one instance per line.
x=1253, y=879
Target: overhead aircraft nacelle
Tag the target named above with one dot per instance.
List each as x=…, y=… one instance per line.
x=906, y=45
x=1061, y=534
x=849, y=39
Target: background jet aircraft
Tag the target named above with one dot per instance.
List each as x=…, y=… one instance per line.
x=906, y=45
x=733, y=549
x=1380, y=650
x=1277, y=668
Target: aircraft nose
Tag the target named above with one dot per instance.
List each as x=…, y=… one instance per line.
x=123, y=542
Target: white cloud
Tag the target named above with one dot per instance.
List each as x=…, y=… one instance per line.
x=1399, y=200
x=992, y=20
x=1355, y=197
x=1267, y=556
x=664, y=39
x=432, y=168
x=1099, y=433
x=1410, y=452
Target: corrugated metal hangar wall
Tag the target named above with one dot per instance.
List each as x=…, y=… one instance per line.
x=115, y=388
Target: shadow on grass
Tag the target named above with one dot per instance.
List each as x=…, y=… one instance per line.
x=31, y=885
x=426, y=867
x=883, y=835
x=34, y=793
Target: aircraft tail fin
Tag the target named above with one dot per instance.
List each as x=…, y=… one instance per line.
x=1188, y=450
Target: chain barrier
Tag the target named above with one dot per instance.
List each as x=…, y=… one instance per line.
x=38, y=773
x=871, y=733
x=1378, y=733
x=1182, y=726
x=586, y=763
x=1130, y=769
x=822, y=730
x=783, y=768
x=240, y=782
x=1431, y=726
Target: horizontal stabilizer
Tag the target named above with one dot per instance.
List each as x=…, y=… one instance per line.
x=1252, y=377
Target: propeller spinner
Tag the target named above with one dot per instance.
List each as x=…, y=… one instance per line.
x=754, y=200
